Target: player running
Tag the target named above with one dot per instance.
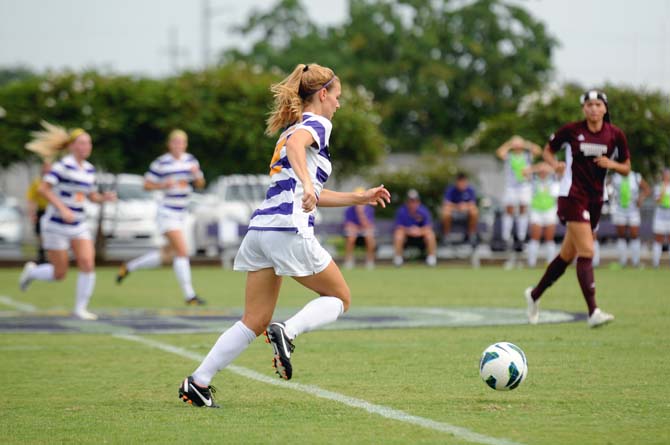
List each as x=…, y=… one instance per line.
x=69, y=183
x=280, y=240
x=591, y=147
x=173, y=173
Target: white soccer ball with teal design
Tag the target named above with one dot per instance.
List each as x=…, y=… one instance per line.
x=503, y=366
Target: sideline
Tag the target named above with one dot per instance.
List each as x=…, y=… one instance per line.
x=25, y=307
x=380, y=410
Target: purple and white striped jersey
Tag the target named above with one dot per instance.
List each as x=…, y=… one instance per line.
x=282, y=208
x=72, y=183
x=181, y=172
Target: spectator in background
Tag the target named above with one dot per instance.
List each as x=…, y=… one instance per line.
x=359, y=222
x=517, y=154
x=543, y=217
x=661, y=227
x=414, y=225
x=629, y=192
x=460, y=202
x=37, y=205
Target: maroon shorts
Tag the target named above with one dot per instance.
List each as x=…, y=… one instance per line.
x=574, y=209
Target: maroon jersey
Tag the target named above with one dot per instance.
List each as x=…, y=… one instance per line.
x=583, y=179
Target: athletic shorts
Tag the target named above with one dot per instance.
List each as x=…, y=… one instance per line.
x=626, y=217
x=169, y=220
x=57, y=236
x=518, y=196
x=543, y=219
x=661, y=224
x=288, y=253
x=578, y=210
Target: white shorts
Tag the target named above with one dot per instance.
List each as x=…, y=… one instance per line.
x=661, y=224
x=170, y=220
x=58, y=237
x=518, y=196
x=288, y=253
x=546, y=218
x=626, y=217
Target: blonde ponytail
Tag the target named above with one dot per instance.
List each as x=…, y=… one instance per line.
x=291, y=94
x=50, y=141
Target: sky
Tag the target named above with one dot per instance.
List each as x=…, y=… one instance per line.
x=617, y=41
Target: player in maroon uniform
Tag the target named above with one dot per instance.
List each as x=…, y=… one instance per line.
x=592, y=147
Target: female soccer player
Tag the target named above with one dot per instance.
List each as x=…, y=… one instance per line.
x=173, y=173
x=280, y=240
x=542, y=213
x=661, y=226
x=66, y=186
x=591, y=147
x=518, y=154
x=629, y=192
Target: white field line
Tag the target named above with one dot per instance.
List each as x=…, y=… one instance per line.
x=380, y=410
x=25, y=307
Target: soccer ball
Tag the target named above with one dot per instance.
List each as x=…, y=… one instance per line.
x=503, y=366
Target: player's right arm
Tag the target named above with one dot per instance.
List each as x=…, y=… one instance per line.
x=296, y=152
x=46, y=190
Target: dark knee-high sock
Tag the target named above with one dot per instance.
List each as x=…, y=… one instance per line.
x=554, y=271
x=587, y=282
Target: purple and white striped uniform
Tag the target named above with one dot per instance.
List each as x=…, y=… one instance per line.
x=72, y=183
x=282, y=208
x=166, y=167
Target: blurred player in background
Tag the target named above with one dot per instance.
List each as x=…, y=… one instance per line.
x=517, y=154
x=628, y=194
x=592, y=147
x=460, y=203
x=414, y=226
x=359, y=222
x=280, y=240
x=37, y=205
x=543, y=217
x=661, y=227
x=175, y=173
x=67, y=185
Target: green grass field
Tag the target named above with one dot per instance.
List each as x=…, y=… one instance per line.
x=603, y=386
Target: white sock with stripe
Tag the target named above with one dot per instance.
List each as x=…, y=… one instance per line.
x=149, y=260
x=533, y=248
x=550, y=247
x=85, y=286
x=507, y=221
x=316, y=313
x=622, y=249
x=656, y=251
x=42, y=272
x=595, y=262
x=182, y=269
x=226, y=349
x=635, y=248
x=522, y=227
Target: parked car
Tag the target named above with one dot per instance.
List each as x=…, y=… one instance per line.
x=11, y=221
x=227, y=204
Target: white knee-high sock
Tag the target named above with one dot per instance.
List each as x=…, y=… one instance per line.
x=550, y=247
x=656, y=254
x=533, y=248
x=182, y=269
x=43, y=272
x=316, y=313
x=622, y=249
x=85, y=286
x=635, y=248
x=507, y=221
x=147, y=261
x=226, y=349
x=595, y=262
x=522, y=226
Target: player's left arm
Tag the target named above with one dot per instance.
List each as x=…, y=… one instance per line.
x=198, y=176
x=373, y=196
x=102, y=197
x=623, y=167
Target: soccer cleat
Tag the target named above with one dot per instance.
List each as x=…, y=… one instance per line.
x=196, y=395
x=83, y=314
x=599, y=318
x=283, y=347
x=122, y=273
x=533, y=307
x=195, y=301
x=24, y=279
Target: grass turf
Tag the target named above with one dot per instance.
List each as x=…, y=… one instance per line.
x=584, y=386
